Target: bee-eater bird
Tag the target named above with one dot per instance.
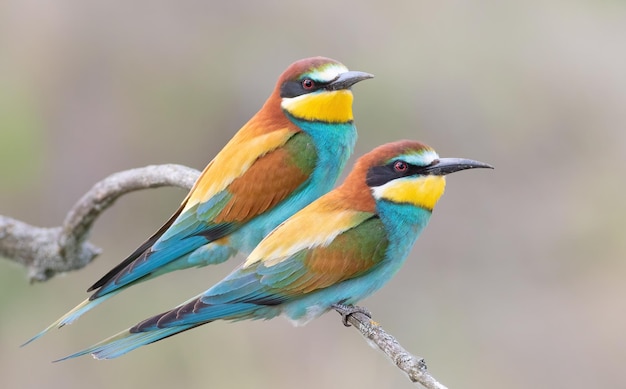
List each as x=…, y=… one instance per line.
x=290, y=153
x=337, y=250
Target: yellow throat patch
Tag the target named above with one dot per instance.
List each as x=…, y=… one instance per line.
x=420, y=191
x=326, y=106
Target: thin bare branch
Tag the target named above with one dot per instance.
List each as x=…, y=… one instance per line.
x=46, y=252
x=414, y=367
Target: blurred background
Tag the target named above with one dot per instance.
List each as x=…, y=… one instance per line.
x=518, y=282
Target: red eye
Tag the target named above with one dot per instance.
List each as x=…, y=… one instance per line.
x=400, y=166
x=308, y=83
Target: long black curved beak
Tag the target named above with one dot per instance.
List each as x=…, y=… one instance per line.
x=444, y=166
x=347, y=79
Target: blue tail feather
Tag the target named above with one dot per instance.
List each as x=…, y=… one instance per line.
x=125, y=342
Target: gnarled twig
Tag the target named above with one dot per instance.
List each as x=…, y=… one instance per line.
x=48, y=251
x=414, y=367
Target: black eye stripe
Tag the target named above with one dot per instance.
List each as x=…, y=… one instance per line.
x=294, y=88
x=380, y=175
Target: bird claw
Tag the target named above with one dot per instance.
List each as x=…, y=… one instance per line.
x=348, y=310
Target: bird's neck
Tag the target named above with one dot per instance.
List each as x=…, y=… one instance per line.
x=403, y=223
x=334, y=144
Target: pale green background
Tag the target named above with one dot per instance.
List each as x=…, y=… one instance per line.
x=519, y=280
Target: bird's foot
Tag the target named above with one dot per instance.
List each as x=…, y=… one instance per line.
x=347, y=310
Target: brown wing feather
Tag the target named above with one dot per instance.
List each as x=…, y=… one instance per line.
x=352, y=253
x=271, y=179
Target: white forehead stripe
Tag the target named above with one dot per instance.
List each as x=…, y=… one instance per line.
x=426, y=157
x=328, y=73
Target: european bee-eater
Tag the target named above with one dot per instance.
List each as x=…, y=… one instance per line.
x=290, y=153
x=337, y=250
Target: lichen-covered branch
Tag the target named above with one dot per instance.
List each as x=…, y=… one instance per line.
x=48, y=251
x=413, y=366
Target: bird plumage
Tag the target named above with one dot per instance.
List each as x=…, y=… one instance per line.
x=337, y=250
x=287, y=155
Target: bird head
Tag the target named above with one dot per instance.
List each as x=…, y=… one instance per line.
x=318, y=89
x=403, y=172
x=412, y=172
